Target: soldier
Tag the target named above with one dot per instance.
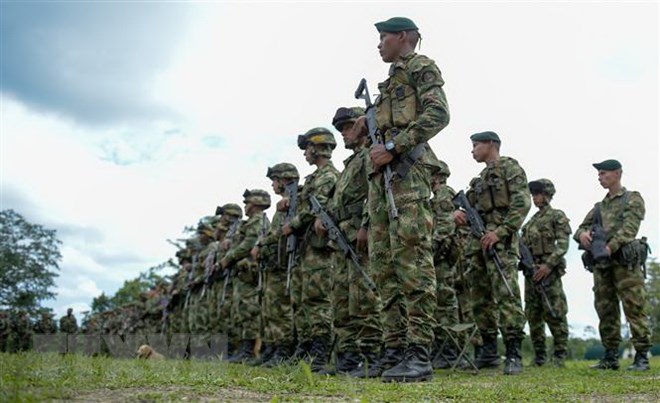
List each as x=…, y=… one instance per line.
x=226, y=230
x=21, y=332
x=445, y=257
x=355, y=307
x=244, y=271
x=5, y=330
x=311, y=290
x=411, y=109
x=501, y=198
x=277, y=309
x=46, y=324
x=618, y=274
x=546, y=235
x=68, y=323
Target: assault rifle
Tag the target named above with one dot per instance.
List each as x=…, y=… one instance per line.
x=291, y=240
x=189, y=280
x=262, y=264
x=598, y=238
x=479, y=230
x=529, y=268
x=340, y=238
x=230, y=234
x=362, y=92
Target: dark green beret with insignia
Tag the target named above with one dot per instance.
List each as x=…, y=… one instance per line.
x=608, y=165
x=486, y=136
x=396, y=24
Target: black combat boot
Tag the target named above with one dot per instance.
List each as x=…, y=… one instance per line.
x=266, y=354
x=540, y=357
x=559, y=358
x=374, y=365
x=245, y=352
x=346, y=362
x=513, y=364
x=301, y=351
x=641, y=362
x=488, y=357
x=415, y=366
x=281, y=355
x=609, y=361
x=318, y=353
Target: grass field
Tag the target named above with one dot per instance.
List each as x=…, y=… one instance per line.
x=37, y=377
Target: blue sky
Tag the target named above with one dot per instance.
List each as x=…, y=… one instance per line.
x=123, y=122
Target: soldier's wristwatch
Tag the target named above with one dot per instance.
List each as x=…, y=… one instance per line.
x=390, y=147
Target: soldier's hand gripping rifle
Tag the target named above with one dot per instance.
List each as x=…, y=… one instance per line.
x=340, y=238
x=529, y=269
x=230, y=234
x=262, y=264
x=291, y=240
x=479, y=230
x=362, y=92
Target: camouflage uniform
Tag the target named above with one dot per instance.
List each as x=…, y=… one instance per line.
x=501, y=198
x=462, y=286
x=356, y=308
x=21, y=332
x=312, y=306
x=546, y=235
x=68, y=323
x=615, y=280
x=5, y=330
x=445, y=257
x=245, y=298
x=45, y=325
x=411, y=109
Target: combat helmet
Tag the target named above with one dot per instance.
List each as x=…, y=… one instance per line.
x=231, y=209
x=205, y=226
x=344, y=115
x=257, y=197
x=283, y=170
x=320, y=137
x=542, y=186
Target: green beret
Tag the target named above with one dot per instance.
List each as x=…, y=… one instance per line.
x=396, y=24
x=486, y=136
x=608, y=165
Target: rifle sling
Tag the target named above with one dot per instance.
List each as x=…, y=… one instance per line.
x=406, y=162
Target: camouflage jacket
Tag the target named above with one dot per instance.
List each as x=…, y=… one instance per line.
x=444, y=226
x=245, y=240
x=501, y=197
x=68, y=324
x=546, y=235
x=45, y=326
x=273, y=245
x=347, y=203
x=320, y=183
x=621, y=219
x=412, y=102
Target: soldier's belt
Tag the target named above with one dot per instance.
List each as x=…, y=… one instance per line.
x=405, y=162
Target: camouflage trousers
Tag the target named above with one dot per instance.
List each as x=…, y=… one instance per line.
x=277, y=309
x=464, y=298
x=198, y=314
x=538, y=314
x=492, y=303
x=401, y=260
x=611, y=284
x=446, y=313
x=245, y=300
x=313, y=309
x=356, y=308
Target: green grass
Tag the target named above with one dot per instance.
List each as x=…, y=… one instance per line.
x=35, y=377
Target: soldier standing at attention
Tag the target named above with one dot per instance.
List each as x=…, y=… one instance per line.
x=500, y=196
x=46, y=324
x=547, y=236
x=312, y=307
x=68, y=323
x=618, y=276
x=411, y=109
x=356, y=308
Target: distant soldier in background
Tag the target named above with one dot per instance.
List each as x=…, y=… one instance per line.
x=46, y=324
x=21, y=332
x=271, y=251
x=501, y=198
x=245, y=296
x=547, y=235
x=5, y=330
x=312, y=286
x=616, y=266
x=68, y=323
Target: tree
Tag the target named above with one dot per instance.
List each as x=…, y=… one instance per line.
x=653, y=294
x=29, y=256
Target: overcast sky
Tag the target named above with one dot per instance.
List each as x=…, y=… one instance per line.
x=121, y=123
